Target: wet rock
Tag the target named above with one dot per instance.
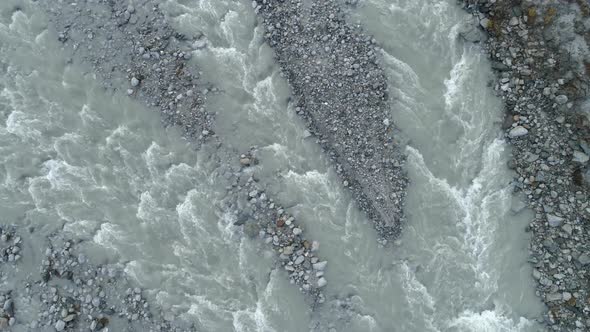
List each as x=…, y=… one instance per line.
x=518, y=131
x=9, y=307
x=580, y=157
x=470, y=32
x=320, y=266
x=60, y=325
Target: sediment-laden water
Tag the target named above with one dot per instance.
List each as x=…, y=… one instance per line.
x=96, y=165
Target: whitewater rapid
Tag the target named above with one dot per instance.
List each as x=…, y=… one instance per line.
x=99, y=166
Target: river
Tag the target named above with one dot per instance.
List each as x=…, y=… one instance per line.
x=99, y=166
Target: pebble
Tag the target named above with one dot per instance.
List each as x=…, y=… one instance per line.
x=60, y=325
x=552, y=297
x=561, y=99
x=584, y=259
x=580, y=157
x=134, y=82
x=299, y=260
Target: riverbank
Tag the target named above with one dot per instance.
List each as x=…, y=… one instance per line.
x=539, y=51
x=341, y=93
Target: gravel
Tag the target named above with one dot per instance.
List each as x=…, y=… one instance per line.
x=537, y=50
x=341, y=93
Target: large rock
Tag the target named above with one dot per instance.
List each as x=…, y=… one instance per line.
x=580, y=157
x=584, y=259
x=554, y=221
x=552, y=297
x=518, y=131
x=470, y=31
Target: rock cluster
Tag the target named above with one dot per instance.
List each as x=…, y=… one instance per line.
x=341, y=93
x=10, y=245
x=76, y=295
x=544, y=86
x=116, y=37
x=262, y=218
x=70, y=293
x=7, y=318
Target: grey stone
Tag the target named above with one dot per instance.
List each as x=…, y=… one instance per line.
x=554, y=221
x=469, y=31
x=96, y=301
x=299, y=260
x=199, y=44
x=561, y=99
x=513, y=21
x=322, y=282
x=60, y=325
x=134, y=82
x=580, y=157
x=518, y=131
x=484, y=22
x=552, y=297
x=584, y=259
x=288, y=250
x=320, y=266
x=9, y=307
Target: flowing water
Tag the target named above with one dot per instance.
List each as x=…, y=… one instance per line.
x=101, y=167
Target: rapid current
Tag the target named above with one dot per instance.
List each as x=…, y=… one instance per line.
x=101, y=167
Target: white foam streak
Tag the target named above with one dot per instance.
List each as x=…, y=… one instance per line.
x=488, y=321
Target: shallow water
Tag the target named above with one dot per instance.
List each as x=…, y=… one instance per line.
x=101, y=167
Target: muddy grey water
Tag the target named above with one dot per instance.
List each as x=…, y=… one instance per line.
x=98, y=166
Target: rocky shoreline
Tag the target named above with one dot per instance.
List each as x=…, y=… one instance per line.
x=341, y=93
x=539, y=51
